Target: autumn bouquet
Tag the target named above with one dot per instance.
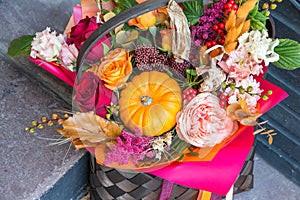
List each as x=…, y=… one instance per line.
x=173, y=89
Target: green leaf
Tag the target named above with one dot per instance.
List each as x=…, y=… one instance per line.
x=257, y=25
x=191, y=72
x=153, y=30
x=254, y=11
x=20, y=46
x=289, y=54
x=143, y=40
x=105, y=48
x=193, y=10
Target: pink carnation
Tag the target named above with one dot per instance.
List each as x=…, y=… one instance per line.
x=203, y=123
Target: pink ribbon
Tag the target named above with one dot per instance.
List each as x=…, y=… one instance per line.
x=62, y=73
x=77, y=13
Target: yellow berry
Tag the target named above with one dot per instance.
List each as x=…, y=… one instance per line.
x=44, y=119
x=66, y=115
x=31, y=130
x=265, y=6
x=34, y=123
x=26, y=128
x=279, y=1
x=54, y=116
x=40, y=126
x=60, y=121
x=273, y=6
x=50, y=123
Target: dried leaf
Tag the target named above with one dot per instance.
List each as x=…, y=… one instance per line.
x=268, y=132
x=230, y=110
x=89, y=129
x=259, y=131
x=241, y=114
x=239, y=29
x=246, y=27
x=230, y=23
x=249, y=121
x=231, y=36
x=181, y=36
x=270, y=140
x=230, y=47
x=215, y=52
x=245, y=8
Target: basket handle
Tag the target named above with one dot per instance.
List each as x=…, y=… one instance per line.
x=114, y=22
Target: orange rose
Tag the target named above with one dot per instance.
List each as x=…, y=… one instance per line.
x=144, y=21
x=114, y=69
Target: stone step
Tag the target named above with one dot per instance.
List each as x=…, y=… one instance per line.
x=283, y=154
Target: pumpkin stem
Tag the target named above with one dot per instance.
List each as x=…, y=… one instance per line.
x=146, y=100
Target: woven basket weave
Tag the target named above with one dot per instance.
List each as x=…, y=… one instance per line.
x=109, y=183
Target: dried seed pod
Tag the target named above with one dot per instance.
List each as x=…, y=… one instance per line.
x=245, y=8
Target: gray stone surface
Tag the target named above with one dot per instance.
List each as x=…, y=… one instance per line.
x=269, y=184
x=28, y=165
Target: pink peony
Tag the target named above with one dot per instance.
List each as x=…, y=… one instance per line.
x=91, y=95
x=68, y=56
x=203, y=123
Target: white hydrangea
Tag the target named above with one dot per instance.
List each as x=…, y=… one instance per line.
x=259, y=45
x=46, y=45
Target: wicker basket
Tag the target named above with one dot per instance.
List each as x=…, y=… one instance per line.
x=109, y=183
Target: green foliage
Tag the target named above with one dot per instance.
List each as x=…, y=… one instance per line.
x=20, y=46
x=193, y=10
x=124, y=5
x=258, y=18
x=289, y=54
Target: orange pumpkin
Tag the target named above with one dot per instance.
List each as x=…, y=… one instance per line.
x=150, y=103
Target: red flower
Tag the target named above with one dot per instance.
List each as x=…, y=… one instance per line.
x=91, y=95
x=80, y=32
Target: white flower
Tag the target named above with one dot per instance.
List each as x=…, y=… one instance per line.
x=46, y=45
x=251, y=98
x=215, y=76
x=259, y=46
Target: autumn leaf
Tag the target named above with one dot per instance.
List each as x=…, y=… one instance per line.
x=88, y=129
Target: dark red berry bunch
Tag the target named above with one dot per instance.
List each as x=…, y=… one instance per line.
x=189, y=94
x=230, y=6
x=219, y=27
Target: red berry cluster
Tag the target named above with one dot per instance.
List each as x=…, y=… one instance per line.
x=229, y=6
x=220, y=26
x=189, y=94
x=223, y=99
